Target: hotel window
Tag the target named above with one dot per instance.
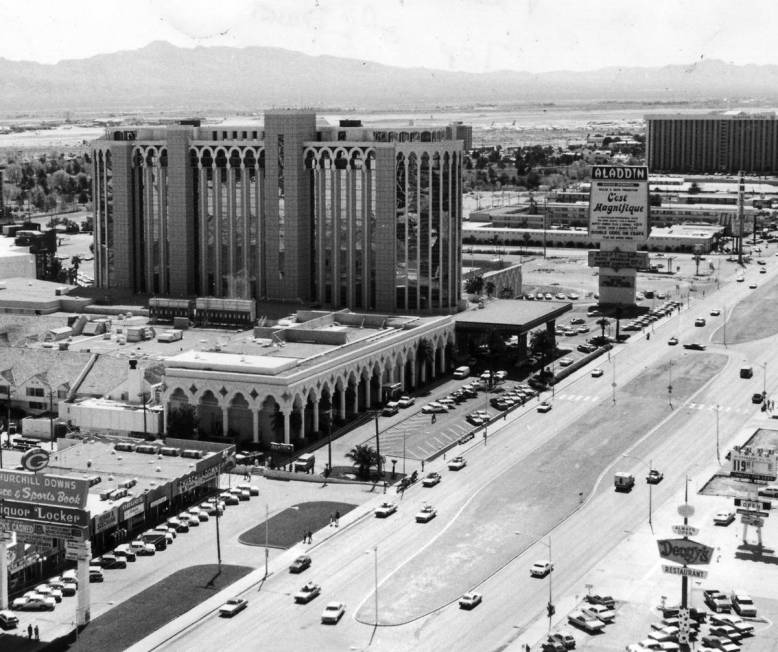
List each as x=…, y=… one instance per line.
x=35, y=391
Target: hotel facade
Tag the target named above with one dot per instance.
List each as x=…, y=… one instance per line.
x=344, y=216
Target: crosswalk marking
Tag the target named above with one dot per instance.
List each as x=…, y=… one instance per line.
x=692, y=405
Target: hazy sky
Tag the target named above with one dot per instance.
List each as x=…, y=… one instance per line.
x=472, y=35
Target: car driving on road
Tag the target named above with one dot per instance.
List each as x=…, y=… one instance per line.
x=426, y=514
x=470, y=600
x=300, y=564
x=333, y=612
x=545, y=406
x=431, y=479
x=232, y=607
x=385, y=509
x=541, y=568
x=654, y=476
x=307, y=593
x=457, y=463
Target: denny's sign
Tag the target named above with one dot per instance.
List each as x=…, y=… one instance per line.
x=43, y=488
x=685, y=551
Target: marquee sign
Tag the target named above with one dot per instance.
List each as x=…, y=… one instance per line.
x=685, y=551
x=35, y=459
x=618, y=203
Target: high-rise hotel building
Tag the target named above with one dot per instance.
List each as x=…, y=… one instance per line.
x=708, y=143
x=345, y=216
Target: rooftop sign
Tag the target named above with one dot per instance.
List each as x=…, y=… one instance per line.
x=43, y=488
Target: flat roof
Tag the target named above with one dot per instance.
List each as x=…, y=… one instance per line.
x=510, y=314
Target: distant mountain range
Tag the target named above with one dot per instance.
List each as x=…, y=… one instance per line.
x=161, y=77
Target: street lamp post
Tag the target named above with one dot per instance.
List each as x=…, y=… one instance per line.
x=267, y=531
x=375, y=577
x=718, y=458
x=670, y=384
x=650, y=488
x=550, y=609
x=329, y=440
x=764, y=379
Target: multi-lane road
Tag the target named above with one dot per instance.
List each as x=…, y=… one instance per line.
x=538, y=475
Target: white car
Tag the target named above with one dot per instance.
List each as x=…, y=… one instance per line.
x=600, y=611
x=501, y=374
x=427, y=513
x=541, y=568
x=470, y=600
x=431, y=479
x=385, y=509
x=457, y=464
x=406, y=401
x=434, y=407
x=252, y=489
x=232, y=606
x=566, y=362
x=545, y=406
x=32, y=601
x=142, y=548
x=586, y=623
x=49, y=591
x=333, y=612
x=596, y=373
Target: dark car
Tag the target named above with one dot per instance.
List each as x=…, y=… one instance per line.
x=694, y=346
x=604, y=600
x=756, y=398
x=300, y=564
x=654, y=476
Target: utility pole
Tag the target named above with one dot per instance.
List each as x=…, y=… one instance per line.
x=377, y=445
x=51, y=419
x=718, y=458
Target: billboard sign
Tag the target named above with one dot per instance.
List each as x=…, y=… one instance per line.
x=43, y=529
x=43, y=513
x=44, y=488
x=617, y=259
x=685, y=551
x=756, y=505
x=618, y=203
x=132, y=508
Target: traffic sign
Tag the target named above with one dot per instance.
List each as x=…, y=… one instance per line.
x=685, y=510
x=749, y=512
x=685, y=530
x=685, y=571
x=755, y=505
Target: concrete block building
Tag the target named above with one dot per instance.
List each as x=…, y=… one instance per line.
x=344, y=216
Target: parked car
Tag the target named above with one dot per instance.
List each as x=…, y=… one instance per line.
x=743, y=605
x=67, y=587
x=541, y=568
x=142, y=549
x=715, y=313
x=308, y=592
x=385, y=509
x=426, y=514
x=96, y=574
x=433, y=408
x=232, y=607
x=49, y=591
x=757, y=398
x=457, y=464
x=565, y=638
x=699, y=322
x=470, y=600
x=8, y=620
x=431, y=479
x=716, y=600
x=229, y=499
x=300, y=564
x=770, y=491
x=333, y=612
x=32, y=601
x=604, y=600
x=584, y=622
x=251, y=488
x=723, y=518
x=600, y=611
x=406, y=401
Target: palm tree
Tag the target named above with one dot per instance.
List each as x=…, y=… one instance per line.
x=363, y=456
x=603, y=324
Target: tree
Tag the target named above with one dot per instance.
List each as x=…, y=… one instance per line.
x=363, y=457
x=542, y=343
x=603, y=324
x=474, y=285
x=182, y=421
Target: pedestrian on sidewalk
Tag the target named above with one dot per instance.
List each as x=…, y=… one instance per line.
x=37, y=634
x=29, y=631
x=337, y=519
x=310, y=536
x=332, y=519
